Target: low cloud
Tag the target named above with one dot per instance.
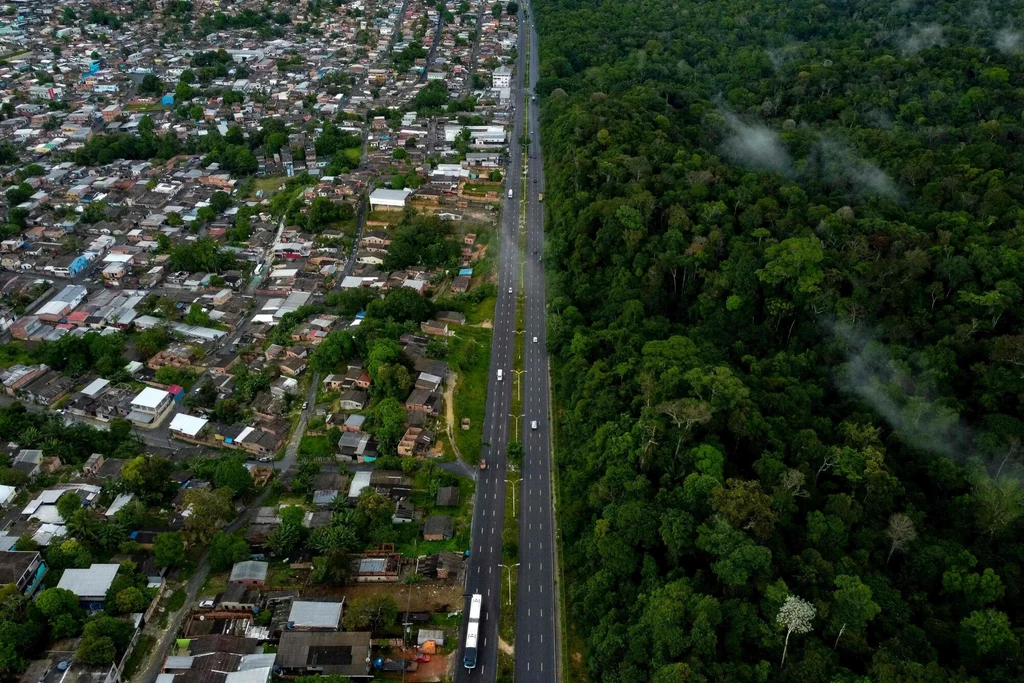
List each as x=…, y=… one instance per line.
x=892, y=391
x=922, y=38
x=755, y=146
x=841, y=165
x=1009, y=41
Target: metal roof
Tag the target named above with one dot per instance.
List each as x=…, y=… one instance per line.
x=372, y=565
x=89, y=583
x=250, y=569
x=150, y=397
x=308, y=614
x=188, y=425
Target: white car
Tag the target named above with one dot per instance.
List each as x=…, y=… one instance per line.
x=509, y=290
x=206, y=604
x=305, y=404
x=533, y=425
x=534, y=340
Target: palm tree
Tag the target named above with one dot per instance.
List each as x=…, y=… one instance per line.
x=29, y=437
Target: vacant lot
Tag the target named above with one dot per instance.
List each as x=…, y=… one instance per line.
x=432, y=596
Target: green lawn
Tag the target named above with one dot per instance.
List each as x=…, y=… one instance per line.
x=470, y=357
x=154, y=106
x=269, y=185
x=353, y=154
x=216, y=582
x=316, y=447
x=479, y=190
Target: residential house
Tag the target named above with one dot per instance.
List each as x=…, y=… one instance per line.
x=251, y=573
x=90, y=585
x=438, y=528
x=342, y=653
x=25, y=570
x=353, y=399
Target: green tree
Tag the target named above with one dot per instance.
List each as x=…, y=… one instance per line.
x=231, y=473
x=389, y=424
x=68, y=504
x=226, y=550
x=60, y=607
x=988, y=633
x=374, y=613
x=169, y=549
x=852, y=606
x=207, y=510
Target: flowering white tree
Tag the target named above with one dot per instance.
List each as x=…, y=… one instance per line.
x=796, y=615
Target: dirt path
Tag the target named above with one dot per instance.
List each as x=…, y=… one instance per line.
x=506, y=648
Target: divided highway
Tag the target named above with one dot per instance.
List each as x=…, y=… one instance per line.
x=484, y=572
x=537, y=648
x=537, y=634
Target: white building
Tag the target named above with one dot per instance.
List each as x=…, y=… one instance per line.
x=501, y=77
x=150, y=405
x=388, y=200
x=187, y=426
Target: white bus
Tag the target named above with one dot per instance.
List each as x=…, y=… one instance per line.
x=472, y=631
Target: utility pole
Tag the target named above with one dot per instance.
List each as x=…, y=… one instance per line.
x=509, y=568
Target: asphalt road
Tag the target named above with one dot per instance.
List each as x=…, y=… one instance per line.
x=538, y=647
x=484, y=571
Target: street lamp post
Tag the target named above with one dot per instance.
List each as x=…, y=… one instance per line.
x=517, y=418
x=519, y=383
x=509, y=568
x=516, y=482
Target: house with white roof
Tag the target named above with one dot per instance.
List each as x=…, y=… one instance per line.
x=90, y=585
x=150, y=406
x=187, y=426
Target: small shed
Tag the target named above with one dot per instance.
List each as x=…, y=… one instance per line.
x=438, y=528
x=448, y=496
x=249, y=573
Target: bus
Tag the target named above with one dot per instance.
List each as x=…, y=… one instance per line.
x=472, y=631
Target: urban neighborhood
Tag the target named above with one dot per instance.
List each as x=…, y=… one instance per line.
x=248, y=274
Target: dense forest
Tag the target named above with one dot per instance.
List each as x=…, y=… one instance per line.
x=786, y=248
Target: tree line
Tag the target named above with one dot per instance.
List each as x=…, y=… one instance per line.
x=786, y=319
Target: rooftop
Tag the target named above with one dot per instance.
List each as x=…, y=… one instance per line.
x=150, y=397
x=91, y=583
x=309, y=614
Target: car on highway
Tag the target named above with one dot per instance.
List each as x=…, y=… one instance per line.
x=483, y=464
x=510, y=194
x=509, y=290
x=534, y=340
x=499, y=374
x=533, y=425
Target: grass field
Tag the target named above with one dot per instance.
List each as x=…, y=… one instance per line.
x=317, y=447
x=353, y=154
x=14, y=353
x=267, y=185
x=470, y=357
x=155, y=106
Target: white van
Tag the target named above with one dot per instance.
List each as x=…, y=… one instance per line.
x=499, y=375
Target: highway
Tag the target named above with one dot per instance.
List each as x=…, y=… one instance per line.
x=537, y=632
x=484, y=574
x=537, y=648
